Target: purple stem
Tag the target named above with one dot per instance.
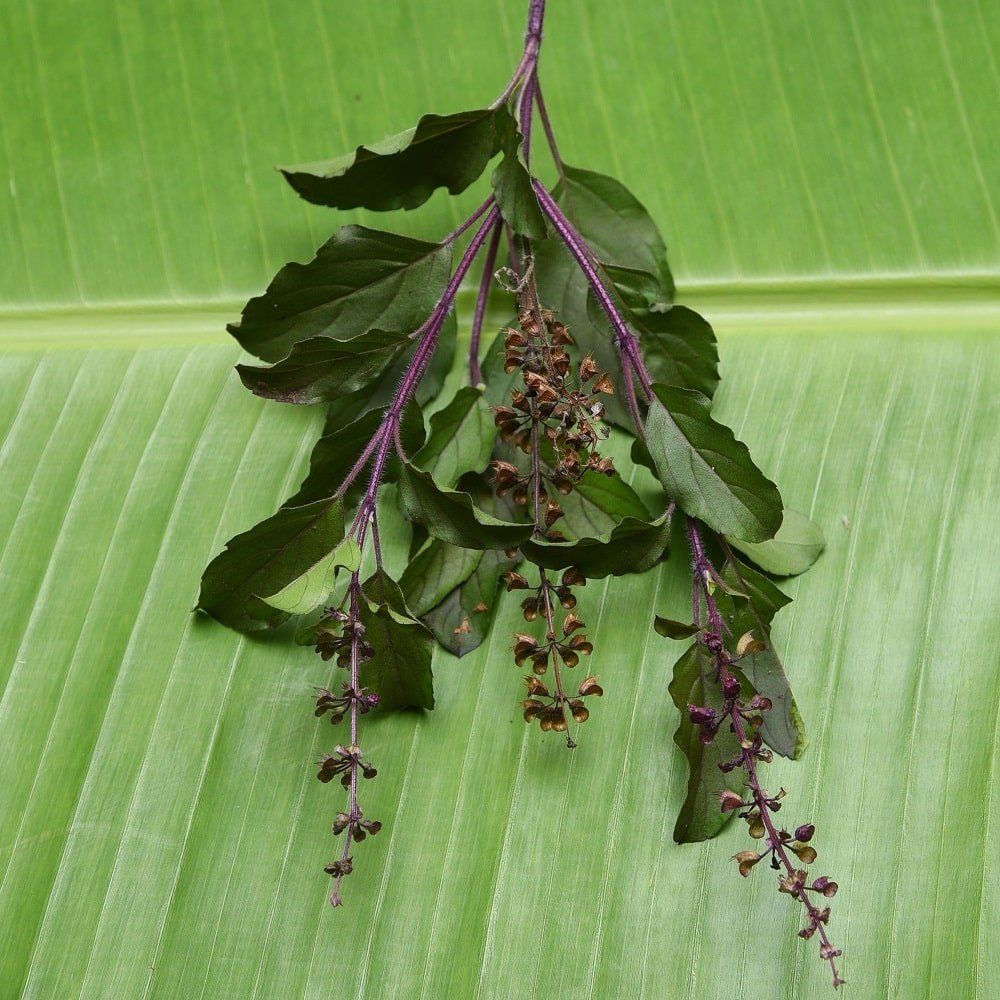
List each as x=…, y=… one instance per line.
x=470, y=221
x=628, y=346
x=633, y=404
x=527, y=108
x=489, y=266
x=376, y=541
x=386, y=434
x=536, y=14
x=704, y=569
x=360, y=463
x=354, y=811
x=550, y=135
x=527, y=57
x=532, y=43
x=426, y=349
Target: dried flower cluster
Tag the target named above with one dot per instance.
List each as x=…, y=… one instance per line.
x=554, y=419
x=341, y=633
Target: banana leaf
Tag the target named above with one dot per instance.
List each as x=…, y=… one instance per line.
x=822, y=172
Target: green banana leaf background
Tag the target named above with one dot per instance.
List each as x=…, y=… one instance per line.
x=827, y=177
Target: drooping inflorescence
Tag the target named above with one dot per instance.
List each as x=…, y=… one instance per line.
x=744, y=717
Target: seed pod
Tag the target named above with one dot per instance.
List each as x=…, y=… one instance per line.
x=515, y=581
x=748, y=644
x=552, y=513
x=532, y=706
x=536, y=688
x=605, y=385
x=826, y=886
x=806, y=853
x=746, y=860
x=730, y=800
x=701, y=715
x=566, y=598
x=559, y=723
x=540, y=662
x=559, y=333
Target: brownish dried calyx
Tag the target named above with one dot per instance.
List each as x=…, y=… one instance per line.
x=554, y=419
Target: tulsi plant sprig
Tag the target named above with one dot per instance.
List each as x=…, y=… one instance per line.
x=507, y=485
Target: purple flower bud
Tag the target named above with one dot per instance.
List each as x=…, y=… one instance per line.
x=805, y=832
x=701, y=715
x=731, y=800
x=826, y=885
x=731, y=686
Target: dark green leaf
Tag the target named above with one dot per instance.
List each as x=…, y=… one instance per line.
x=764, y=599
x=359, y=279
x=750, y=607
x=312, y=587
x=452, y=516
x=671, y=629
x=701, y=815
x=796, y=546
x=320, y=369
x=335, y=453
x=633, y=546
x=263, y=560
x=404, y=170
x=783, y=729
x=462, y=620
x=434, y=572
x=678, y=345
x=512, y=187
x=382, y=392
x=597, y=504
x=706, y=470
x=614, y=222
x=400, y=669
x=460, y=438
x=640, y=455
x=638, y=289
